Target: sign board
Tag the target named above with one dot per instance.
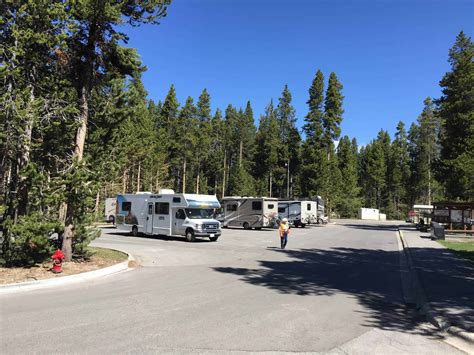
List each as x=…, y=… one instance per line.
x=441, y=213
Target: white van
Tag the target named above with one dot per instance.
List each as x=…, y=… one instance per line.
x=249, y=212
x=168, y=213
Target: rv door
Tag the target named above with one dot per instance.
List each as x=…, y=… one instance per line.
x=178, y=222
x=149, y=219
x=161, y=220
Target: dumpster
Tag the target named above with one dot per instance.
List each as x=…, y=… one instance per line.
x=437, y=231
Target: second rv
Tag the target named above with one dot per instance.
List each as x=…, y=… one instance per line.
x=249, y=212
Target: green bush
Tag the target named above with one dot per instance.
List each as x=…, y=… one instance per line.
x=28, y=242
x=83, y=236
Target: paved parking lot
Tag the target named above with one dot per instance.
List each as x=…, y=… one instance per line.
x=335, y=288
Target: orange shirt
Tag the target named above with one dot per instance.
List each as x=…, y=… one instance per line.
x=284, y=227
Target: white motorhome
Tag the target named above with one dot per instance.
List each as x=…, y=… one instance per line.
x=249, y=212
x=110, y=209
x=299, y=213
x=169, y=213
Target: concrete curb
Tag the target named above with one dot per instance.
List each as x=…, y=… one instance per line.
x=126, y=265
x=414, y=293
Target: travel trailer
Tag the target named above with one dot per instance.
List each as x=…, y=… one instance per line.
x=320, y=217
x=249, y=212
x=299, y=213
x=110, y=209
x=169, y=213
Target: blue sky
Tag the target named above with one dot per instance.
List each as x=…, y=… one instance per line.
x=389, y=55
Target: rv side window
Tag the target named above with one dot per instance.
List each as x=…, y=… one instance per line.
x=308, y=207
x=231, y=208
x=126, y=206
x=177, y=199
x=257, y=205
x=180, y=214
x=271, y=206
x=162, y=208
x=281, y=209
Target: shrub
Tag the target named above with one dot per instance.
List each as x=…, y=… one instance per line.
x=29, y=241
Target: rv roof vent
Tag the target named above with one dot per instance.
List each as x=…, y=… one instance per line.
x=166, y=191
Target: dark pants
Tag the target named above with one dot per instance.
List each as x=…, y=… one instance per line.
x=284, y=240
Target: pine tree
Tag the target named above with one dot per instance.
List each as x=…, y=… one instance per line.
x=203, y=140
x=332, y=119
x=456, y=110
x=169, y=114
x=349, y=202
x=400, y=179
x=267, y=151
x=314, y=154
x=290, y=141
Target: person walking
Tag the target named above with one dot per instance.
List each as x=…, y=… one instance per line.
x=284, y=232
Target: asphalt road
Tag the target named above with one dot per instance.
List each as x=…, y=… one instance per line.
x=335, y=288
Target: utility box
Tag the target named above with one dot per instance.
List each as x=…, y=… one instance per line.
x=369, y=214
x=437, y=231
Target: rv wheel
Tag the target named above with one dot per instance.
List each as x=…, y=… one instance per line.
x=246, y=225
x=135, y=231
x=190, y=235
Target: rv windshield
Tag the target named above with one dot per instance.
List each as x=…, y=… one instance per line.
x=199, y=213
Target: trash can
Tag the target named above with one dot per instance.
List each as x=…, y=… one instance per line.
x=437, y=231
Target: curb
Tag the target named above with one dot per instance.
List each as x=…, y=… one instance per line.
x=126, y=265
x=414, y=293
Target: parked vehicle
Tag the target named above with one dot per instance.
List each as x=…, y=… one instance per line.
x=169, y=213
x=298, y=213
x=110, y=209
x=320, y=216
x=249, y=212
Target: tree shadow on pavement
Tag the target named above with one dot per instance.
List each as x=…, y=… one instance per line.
x=371, y=276
x=372, y=227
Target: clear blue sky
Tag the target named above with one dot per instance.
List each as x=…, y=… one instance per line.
x=389, y=55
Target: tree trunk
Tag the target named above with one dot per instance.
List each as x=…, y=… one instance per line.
x=271, y=182
x=240, y=153
x=77, y=157
x=223, y=175
x=197, y=180
x=139, y=175
x=184, y=176
x=97, y=202
x=124, y=180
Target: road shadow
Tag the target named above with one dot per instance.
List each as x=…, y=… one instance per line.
x=159, y=237
x=370, y=226
x=371, y=276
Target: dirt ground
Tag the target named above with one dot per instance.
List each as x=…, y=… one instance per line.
x=42, y=271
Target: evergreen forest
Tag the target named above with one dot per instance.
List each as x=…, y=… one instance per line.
x=77, y=126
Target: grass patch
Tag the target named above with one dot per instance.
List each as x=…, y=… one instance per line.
x=464, y=250
x=108, y=254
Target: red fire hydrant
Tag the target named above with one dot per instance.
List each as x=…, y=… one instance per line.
x=58, y=258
